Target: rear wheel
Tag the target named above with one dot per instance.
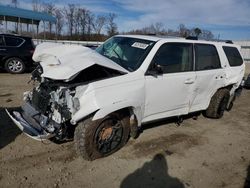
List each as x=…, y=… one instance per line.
x=218, y=104
x=100, y=138
x=14, y=65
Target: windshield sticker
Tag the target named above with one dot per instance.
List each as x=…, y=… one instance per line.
x=140, y=45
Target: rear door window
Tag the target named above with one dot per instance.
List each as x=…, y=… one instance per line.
x=233, y=56
x=206, y=57
x=13, y=41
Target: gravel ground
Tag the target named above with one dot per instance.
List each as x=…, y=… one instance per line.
x=199, y=153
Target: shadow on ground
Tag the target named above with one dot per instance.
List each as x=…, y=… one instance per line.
x=247, y=181
x=152, y=174
x=8, y=130
x=29, y=69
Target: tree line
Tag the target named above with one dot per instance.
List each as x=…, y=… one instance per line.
x=75, y=22
x=181, y=31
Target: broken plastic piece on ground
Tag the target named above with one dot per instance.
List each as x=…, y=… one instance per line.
x=26, y=128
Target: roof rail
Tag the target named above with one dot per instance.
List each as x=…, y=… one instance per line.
x=213, y=40
x=151, y=34
x=225, y=41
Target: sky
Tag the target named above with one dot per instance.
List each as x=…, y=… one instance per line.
x=227, y=19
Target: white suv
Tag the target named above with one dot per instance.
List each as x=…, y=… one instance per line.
x=101, y=97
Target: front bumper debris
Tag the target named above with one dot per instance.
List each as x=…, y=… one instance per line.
x=27, y=128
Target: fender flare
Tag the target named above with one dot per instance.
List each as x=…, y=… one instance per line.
x=134, y=110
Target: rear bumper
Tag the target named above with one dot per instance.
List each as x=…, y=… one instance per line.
x=27, y=128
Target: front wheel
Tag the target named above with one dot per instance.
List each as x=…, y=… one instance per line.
x=14, y=65
x=100, y=138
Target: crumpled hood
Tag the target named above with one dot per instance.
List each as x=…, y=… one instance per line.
x=62, y=62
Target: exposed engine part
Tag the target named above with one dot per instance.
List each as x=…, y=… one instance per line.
x=51, y=104
x=36, y=74
x=40, y=99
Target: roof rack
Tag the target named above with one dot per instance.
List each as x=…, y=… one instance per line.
x=192, y=38
x=229, y=42
x=215, y=40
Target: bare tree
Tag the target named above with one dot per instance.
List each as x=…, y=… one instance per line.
x=36, y=5
x=59, y=20
x=69, y=12
x=111, y=25
x=158, y=27
x=183, y=31
x=149, y=30
x=89, y=20
x=15, y=3
x=77, y=19
x=99, y=23
x=205, y=34
x=49, y=8
x=82, y=20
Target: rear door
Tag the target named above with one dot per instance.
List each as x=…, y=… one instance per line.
x=168, y=94
x=13, y=45
x=210, y=75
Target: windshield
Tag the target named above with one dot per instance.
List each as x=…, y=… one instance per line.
x=127, y=52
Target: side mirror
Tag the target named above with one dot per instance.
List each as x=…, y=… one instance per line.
x=159, y=69
x=155, y=70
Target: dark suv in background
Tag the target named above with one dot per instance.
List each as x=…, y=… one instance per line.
x=16, y=53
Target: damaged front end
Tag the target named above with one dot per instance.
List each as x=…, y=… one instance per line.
x=49, y=107
x=47, y=110
x=63, y=75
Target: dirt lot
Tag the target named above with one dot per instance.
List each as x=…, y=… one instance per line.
x=200, y=153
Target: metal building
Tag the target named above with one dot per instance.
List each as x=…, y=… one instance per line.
x=245, y=49
x=22, y=16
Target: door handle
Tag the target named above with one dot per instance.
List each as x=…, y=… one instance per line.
x=189, y=81
x=2, y=49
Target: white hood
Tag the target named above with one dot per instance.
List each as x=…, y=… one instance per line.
x=61, y=62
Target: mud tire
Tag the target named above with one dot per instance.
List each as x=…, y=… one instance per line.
x=218, y=104
x=85, y=136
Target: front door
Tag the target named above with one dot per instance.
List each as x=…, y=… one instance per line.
x=168, y=93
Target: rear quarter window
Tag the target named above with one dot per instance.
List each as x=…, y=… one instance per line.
x=13, y=41
x=233, y=56
x=28, y=44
